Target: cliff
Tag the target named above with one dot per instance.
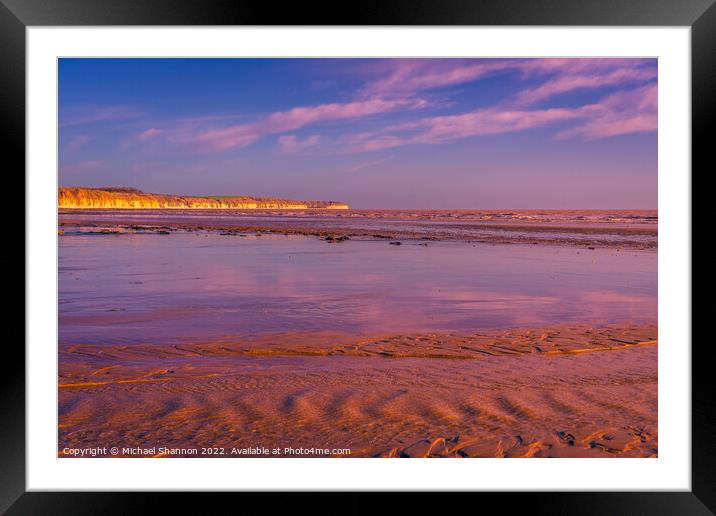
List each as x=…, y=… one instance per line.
x=130, y=198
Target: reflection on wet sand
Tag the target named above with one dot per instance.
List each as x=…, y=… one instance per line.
x=148, y=288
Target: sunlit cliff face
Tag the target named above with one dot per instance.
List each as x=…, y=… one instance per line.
x=127, y=198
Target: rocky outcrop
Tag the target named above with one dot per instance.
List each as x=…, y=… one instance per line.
x=130, y=198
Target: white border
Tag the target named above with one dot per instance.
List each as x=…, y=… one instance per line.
x=670, y=471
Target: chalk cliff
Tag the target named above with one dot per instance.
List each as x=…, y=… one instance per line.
x=130, y=198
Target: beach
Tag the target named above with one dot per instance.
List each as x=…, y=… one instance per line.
x=358, y=333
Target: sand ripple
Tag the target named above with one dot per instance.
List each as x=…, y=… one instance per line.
x=520, y=393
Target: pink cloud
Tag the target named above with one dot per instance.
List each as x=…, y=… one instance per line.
x=397, y=88
x=369, y=142
x=620, y=113
x=567, y=82
x=149, y=134
x=290, y=144
x=241, y=135
x=413, y=75
x=444, y=129
x=490, y=121
x=624, y=112
x=407, y=77
x=234, y=137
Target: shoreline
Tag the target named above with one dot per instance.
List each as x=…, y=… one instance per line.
x=590, y=236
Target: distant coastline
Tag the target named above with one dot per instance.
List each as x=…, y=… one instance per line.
x=121, y=197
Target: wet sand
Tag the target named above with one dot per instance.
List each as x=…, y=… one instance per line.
x=567, y=391
x=181, y=333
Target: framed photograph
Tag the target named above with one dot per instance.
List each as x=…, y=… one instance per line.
x=435, y=249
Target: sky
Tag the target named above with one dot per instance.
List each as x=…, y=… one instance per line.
x=375, y=133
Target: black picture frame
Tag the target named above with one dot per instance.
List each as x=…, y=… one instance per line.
x=700, y=15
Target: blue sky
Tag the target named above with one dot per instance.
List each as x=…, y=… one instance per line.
x=376, y=133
